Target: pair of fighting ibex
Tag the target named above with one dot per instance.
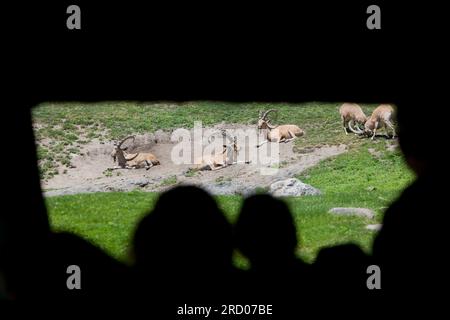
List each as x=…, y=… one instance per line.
x=382, y=116
x=282, y=133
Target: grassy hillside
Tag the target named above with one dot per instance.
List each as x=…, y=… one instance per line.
x=355, y=179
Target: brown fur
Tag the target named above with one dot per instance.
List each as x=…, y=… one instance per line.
x=351, y=113
x=381, y=117
x=216, y=161
x=141, y=160
x=134, y=160
x=282, y=133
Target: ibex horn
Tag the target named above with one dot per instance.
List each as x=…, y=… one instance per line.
x=121, y=142
x=352, y=129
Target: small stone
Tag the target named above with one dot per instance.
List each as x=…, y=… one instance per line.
x=374, y=227
x=392, y=147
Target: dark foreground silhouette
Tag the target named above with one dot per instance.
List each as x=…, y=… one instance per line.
x=182, y=251
x=265, y=233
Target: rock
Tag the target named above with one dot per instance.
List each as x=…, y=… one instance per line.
x=362, y=212
x=162, y=137
x=374, y=227
x=220, y=189
x=392, y=147
x=292, y=187
x=375, y=153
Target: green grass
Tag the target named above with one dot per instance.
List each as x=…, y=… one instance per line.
x=354, y=173
x=353, y=179
x=356, y=179
x=65, y=121
x=65, y=127
x=109, y=219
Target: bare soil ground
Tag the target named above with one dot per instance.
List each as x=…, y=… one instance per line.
x=89, y=173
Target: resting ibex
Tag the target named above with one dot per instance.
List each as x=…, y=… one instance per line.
x=132, y=160
x=351, y=114
x=283, y=133
x=223, y=159
x=381, y=117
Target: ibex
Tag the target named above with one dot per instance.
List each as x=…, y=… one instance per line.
x=381, y=117
x=133, y=160
x=352, y=114
x=223, y=159
x=282, y=133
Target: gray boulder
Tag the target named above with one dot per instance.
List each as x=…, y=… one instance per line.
x=292, y=187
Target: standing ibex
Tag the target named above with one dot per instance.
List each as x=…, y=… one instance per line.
x=351, y=113
x=381, y=117
x=224, y=158
x=282, y=133
x=132, y=160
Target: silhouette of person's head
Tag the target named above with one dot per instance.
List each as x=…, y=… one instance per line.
x=265, y=232
x=186, y=232
x=341, y=267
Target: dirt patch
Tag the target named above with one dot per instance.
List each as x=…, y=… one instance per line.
x=89, y=170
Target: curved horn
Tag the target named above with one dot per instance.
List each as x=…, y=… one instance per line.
x=270, y=125
x=360, y=126
x=267, y=112
x=359, y=131
x=121, y=142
